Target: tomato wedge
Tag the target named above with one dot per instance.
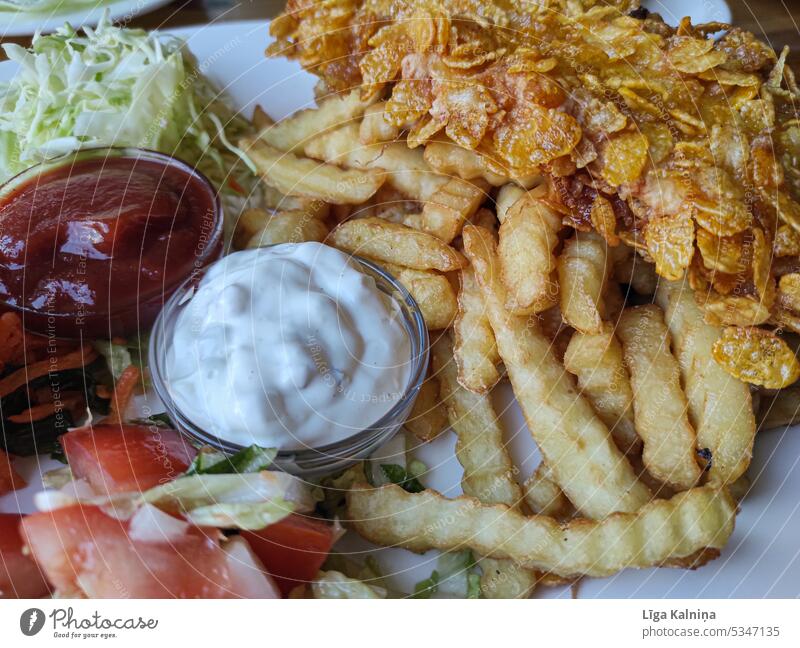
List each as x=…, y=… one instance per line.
x=9, y=479
x=83, y=550
x=125, y=458
x=293, y=549
x=20, y=577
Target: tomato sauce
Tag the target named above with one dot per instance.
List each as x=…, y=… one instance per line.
x=97, y=245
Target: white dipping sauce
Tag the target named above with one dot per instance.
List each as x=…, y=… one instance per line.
x=289, y=346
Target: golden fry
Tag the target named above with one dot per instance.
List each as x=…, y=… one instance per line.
x=659, y=404
x=296, y=176
x=374, y=128
x=288, y=227
x=428, y=417
x=659, y=532
x=480, y=448
x=475, y=347
x=292, y=133
x=395, y=243
x=261, y=119
x=451, y=159
x=528, y=236
x=432, y=291
x=720, y=406
x=544, y=496
x=583, y=269
x=576, y=444
x=595, y=359
x=488, y=470
x=455, y=202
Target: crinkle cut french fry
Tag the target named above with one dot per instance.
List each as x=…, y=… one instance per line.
x=451, y=159
x=475, y=347
x=292, y=133
x=659, y=404
x=781, y=409
x=405, y=169
x=395, y=243
x=296, y=176
x=432, y=291
x=596, y=361
x=576, y=444
x=720, y=405
x=480, y=448
x=528, y=235
x=408, y=171
x=583, y=269
x=261, y=119
x=455, y=202
x=508, y=195
x=288, y=227
x=428, y=417
x=250, y=222
x=274, y=199
x=374, y=128
x=488, y=470
x=342, y=146
x=661, y=531
x=544, y=496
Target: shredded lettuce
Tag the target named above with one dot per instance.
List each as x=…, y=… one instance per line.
x=455, y=576
x=248, y=460
x=251, y=501
x=428, y=587
x=400, y=476
x=117, y=356
x=335, y=585
x=49, y=6
x=248, y=516
x=122, y=87
x=194, y=491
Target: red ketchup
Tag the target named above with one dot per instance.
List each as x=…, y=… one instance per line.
x=96, y=246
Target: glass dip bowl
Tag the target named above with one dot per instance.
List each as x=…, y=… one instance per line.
x=306, y=461
x=96, y=241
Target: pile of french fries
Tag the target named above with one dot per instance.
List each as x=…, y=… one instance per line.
x=645, y=438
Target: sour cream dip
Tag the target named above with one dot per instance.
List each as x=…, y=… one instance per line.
x=291, y=346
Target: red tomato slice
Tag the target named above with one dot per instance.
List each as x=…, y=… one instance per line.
x=19, y=575
x=9, y=479
x=81, y=544
x=125, y=458
x=293, y=549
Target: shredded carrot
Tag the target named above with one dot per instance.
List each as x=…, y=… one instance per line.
x=23, y=376
x=9, y=478
x=123, y=391
x=12, y=338
x=35, y=413
x=103, y=391
x=67, y=401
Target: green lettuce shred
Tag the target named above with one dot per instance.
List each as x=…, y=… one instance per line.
x=335, y=585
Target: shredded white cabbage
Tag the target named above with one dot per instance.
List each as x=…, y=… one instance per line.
x=114, y=86
x=335, y=585
x=50, y=6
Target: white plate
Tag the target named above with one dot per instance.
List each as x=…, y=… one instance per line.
x=762, y=558
x=700, y=12
x=123, y=11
